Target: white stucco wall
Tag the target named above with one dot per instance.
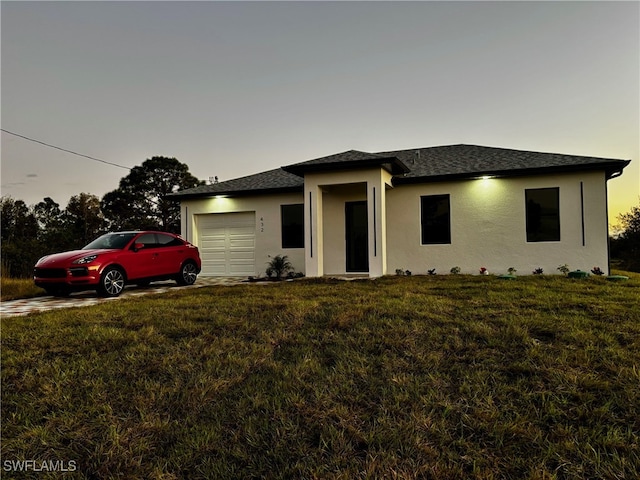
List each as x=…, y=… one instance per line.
x=488, y=226
x=268, y=223
x=329, y=192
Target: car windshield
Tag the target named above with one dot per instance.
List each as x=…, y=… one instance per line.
x=111, y=241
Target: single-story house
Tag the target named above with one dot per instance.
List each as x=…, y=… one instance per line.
x=421, y=209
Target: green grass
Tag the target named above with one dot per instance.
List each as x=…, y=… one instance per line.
x=14, y=288
x=443, y=377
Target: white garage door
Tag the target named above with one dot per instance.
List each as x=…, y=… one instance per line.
x=227, y=243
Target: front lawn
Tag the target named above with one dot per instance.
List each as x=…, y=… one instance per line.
x=444, y=377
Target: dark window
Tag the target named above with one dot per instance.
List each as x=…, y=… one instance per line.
x=148, y=240
x=436, y=219
x=168, y=240
x=292, y=226
x=543, y=214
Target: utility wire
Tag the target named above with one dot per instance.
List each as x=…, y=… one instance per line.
x=65, y=150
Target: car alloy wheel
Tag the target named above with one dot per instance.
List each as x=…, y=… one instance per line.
x=188, y=274
x=112, y=282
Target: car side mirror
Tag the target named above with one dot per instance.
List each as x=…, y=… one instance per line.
x=138, y=246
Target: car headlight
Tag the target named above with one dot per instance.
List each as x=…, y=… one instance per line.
x=41, y=259
x=87, y=259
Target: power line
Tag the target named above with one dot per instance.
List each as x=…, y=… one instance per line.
x=65, y=150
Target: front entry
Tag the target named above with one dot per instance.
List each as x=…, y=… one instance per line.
x=357, y=240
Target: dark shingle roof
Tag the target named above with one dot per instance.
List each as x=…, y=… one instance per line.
x=348, y=160
x=413, y=166
x=272, y=181
x=468, y=161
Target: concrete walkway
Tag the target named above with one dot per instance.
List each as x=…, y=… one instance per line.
x=83, y=299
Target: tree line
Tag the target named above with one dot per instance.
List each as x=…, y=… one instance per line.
x=139, y=203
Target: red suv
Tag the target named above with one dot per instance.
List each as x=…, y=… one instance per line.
x=110, y=262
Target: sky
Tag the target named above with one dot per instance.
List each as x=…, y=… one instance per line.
x=236, y=88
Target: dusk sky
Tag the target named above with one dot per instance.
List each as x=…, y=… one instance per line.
x=236, y=88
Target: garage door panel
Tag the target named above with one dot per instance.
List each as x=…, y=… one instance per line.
x=227, y=243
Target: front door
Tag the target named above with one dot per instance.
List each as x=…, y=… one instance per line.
x=357, y=240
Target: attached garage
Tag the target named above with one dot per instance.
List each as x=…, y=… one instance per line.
x=227, y=243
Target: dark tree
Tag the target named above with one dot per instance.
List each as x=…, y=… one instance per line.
x=19, y=232
x=50, y=220
x=626, y=246
x=140, y=202
x=83, y=220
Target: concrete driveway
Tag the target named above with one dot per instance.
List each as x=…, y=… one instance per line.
x=83, y=299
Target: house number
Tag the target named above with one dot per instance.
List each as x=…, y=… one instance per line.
x=261, y=224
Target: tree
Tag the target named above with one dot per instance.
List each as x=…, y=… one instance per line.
x=50, y=221
x=82, y=220
x=626, y=246
x=20, y=248
x=141, y=202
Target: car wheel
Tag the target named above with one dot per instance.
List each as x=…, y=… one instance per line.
x=188, y=274
x=112, y=282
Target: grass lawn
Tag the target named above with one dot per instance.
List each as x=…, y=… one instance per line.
x=14, y=288
x=444, y=377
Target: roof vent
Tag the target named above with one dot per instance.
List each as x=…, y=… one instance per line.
x=213, y=180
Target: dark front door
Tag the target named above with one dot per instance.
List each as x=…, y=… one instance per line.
x=357, y=241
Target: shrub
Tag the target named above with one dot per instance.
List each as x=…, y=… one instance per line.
x=279, y=266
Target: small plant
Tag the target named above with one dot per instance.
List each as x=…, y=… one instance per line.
x=484, y=271
x=278, y=266
x=432, y=271
x=564, y=269
x=401, y=272
x=597, y=271
x=455, y=271
x=538, y=271
x=512, y=271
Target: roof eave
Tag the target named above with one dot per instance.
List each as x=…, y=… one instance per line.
x=392, y=164
x=237, y=193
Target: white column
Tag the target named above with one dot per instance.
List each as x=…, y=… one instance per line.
x=376, y=211
x=314, y=248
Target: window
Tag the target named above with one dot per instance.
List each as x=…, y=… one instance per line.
x=436, y=219
x=292, y=225
x=168, y=240
x=543, y=214
x=148, y=240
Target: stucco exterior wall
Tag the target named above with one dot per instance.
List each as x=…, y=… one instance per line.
x=488, y=226
x=325, y=219
x=268, y=223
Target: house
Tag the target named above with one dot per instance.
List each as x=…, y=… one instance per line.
x=419, y=209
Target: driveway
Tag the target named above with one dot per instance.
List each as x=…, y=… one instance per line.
x=83, y=299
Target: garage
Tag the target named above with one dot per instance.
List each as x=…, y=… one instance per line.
x=227, y=243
